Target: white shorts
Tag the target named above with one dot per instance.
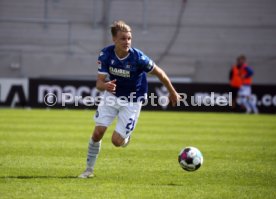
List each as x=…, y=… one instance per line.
x=128, y=114
x=245, y=91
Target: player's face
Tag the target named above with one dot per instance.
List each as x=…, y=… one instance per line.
x=122, y=41
x=241, y=61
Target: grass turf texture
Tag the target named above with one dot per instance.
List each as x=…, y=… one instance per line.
x=42, y=152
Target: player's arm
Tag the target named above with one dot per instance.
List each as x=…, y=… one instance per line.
x=162, y=76
x=103, y=85
x=249, y=72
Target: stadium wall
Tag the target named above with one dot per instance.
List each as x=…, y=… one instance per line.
x=210, y=35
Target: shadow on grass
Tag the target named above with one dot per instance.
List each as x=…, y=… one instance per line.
x=169, y=184
x=38, y=177
x=173, y=184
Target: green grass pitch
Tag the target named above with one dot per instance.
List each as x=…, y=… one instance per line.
x=42, y=152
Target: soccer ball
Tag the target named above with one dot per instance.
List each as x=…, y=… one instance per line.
x=190, y=158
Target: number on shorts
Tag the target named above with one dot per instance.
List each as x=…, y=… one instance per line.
x=130, y=124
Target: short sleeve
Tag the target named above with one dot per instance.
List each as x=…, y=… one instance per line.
x=102, y=64
x=249, y=72
x=146, y=63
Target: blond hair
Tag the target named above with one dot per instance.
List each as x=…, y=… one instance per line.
x=119, y=26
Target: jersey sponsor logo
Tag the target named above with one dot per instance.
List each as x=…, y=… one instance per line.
x=119, y=72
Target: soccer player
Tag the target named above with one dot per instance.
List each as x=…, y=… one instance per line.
x=122, y=76
x=236, y=79
x=244, y=93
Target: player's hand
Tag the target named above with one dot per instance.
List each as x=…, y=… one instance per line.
x=111, y=86
x=174, y=98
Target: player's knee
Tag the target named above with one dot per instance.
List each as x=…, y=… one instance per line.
x=96, y=136
x=117, y=140
x=98, y=133
x=116, y=143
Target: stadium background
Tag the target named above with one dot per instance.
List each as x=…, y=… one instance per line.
x=194, y=41
x=54, y=44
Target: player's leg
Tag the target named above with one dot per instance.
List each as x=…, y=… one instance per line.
x=245, y=103
x=127, y=120
x=103, y=118
x=251, y=102
x=117, y=139
x=94, y=147
x=244, y=97
x=253, y=106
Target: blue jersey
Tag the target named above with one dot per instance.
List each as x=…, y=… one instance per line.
x=129, y=72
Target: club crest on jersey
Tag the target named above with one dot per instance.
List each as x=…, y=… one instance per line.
x=119, y=72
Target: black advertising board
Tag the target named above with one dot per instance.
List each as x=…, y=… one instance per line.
x=196, y=97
